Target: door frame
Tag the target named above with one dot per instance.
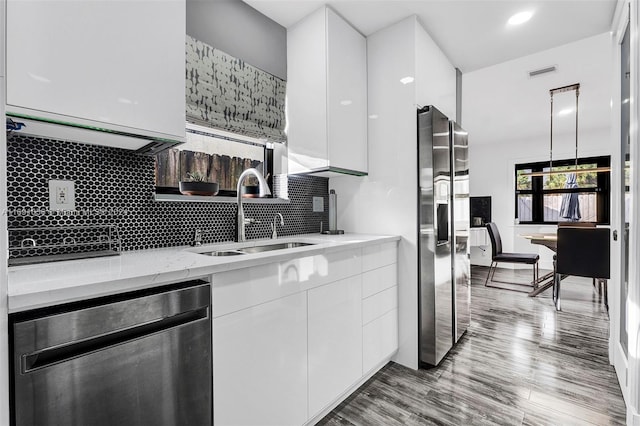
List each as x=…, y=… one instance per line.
x=627, y=368
x=617, y=356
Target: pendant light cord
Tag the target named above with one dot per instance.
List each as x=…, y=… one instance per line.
x=577, y=94
x=569, y=88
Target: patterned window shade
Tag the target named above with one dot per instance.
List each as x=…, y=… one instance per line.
x=226, y=93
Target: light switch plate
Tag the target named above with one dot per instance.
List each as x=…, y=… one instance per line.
x=318, y=204
x=62, y=195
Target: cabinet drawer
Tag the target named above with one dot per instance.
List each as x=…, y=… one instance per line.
x=379, y=340
x=243, y=288
x=379, y=304
x=374, y=257
x=376, y=280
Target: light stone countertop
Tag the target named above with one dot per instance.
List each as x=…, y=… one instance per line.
x=48, y=284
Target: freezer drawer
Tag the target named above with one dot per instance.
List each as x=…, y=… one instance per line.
x=139, y=359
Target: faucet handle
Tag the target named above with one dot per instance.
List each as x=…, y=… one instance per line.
x=197, y=237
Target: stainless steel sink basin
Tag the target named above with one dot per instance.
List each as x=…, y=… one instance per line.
x=256, y=249
x=223, y=253
x=269, y=247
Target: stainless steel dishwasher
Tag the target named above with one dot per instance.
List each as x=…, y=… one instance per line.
x=142, y=358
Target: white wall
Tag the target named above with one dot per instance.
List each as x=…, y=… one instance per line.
x=435, y=76
x=241, y=31
x=507, y=116
x=385, y=202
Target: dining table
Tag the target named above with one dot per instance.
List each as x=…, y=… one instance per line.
x=550, y=280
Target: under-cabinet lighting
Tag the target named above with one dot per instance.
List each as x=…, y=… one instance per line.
x=565, y=111
x=221, y=134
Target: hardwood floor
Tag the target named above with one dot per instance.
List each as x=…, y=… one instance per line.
x=520, y=363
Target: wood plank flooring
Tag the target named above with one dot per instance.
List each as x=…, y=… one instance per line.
x=520, y=363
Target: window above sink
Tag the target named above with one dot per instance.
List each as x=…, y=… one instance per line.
x=213, y=156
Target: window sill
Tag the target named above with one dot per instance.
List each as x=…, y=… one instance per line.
x=203, y=199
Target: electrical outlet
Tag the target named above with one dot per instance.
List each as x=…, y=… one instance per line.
x=318, y=204
x=62, y=195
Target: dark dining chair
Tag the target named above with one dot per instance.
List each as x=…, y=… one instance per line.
x=582, y=252
x=498, y=256
x=600, y=284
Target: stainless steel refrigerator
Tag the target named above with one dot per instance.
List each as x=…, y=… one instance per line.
x=443, y=231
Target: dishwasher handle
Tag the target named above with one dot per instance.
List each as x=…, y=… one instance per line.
x=57, y=354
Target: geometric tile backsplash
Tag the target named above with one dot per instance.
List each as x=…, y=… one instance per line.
x=116, y=187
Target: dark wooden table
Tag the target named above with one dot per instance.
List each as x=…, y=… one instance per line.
x=549, y=240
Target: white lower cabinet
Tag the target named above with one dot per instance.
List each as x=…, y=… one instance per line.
x=379, y=340
x=260, y=364
x=379, y=305
x=291, y=338
x=335, y=340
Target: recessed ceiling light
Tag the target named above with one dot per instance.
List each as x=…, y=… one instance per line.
x=406, y=80
x=520, y=18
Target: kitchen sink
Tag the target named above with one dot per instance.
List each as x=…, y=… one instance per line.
x=256, y=249
x=223, y=253
x=269, y=247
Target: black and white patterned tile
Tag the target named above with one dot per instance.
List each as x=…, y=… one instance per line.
x=115, y=186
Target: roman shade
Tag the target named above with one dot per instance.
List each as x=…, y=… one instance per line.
x=224, y=92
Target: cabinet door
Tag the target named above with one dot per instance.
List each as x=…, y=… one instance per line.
x=380, y=340
x=335, y=340
x=307, y=93
x=346, y=95
x=260, y=364
x=110, y=63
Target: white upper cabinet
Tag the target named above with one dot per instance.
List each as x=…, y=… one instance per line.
x=117, y=65
x=326, y=95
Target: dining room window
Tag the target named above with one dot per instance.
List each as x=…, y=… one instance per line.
x=563, y=191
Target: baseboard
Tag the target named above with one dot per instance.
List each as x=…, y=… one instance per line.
x=621, y=368
x=315, y=419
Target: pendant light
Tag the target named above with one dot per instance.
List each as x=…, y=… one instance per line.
x=576, y=88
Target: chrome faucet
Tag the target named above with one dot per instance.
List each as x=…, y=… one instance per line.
x=263, y=189
x=197, y=237
x=274, y=225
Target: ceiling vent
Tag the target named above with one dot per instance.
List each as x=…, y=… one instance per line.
x=545, y=70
